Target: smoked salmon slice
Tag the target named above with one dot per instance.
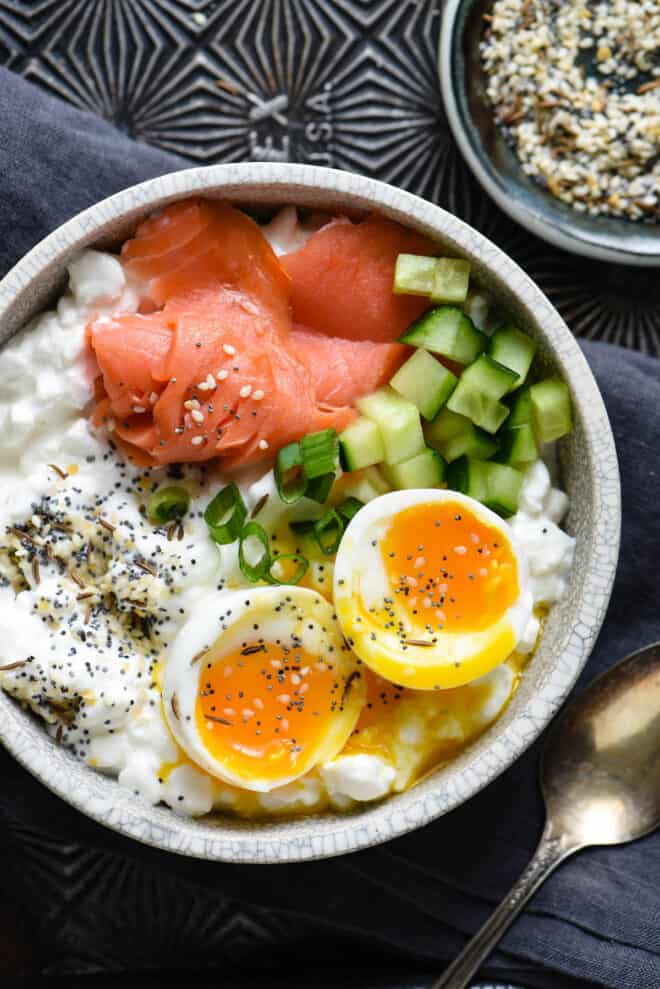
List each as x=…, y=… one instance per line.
x=212, y=366
x=192, y=245
x=344, y=370
x=341, y=280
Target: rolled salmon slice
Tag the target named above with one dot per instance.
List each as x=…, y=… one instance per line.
x=202, y=244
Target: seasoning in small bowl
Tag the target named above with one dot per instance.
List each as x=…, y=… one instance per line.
x=577, y=87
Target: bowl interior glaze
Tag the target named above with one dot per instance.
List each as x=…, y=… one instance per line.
x=589, y=473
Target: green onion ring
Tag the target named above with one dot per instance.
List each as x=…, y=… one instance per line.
x=320, y=453
x=225, y=515
x=167, y=505
x=289, y=474
x=319, y=488
x=303, y=564
x=349, y=508
x=258, y=570
x=328, y=532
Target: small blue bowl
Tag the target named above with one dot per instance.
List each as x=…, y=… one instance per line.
x=496, y=167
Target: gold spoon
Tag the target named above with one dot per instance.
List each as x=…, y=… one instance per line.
x=600, y=777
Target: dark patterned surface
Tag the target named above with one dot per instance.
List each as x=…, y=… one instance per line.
x=347, y=83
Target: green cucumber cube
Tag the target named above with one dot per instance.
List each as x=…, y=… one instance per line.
x=469, y=477
x=361, y=444
x=503, y=489
x=448, y=331
x=451, y=280
x=521, y=409
x=552, y=413
x=366, y=485
x=413, y=274
x=398, y=421
x=517, y=445
x=425, y=382
x=426, y=470
x=514, y=349
x=472, y=443
x=483, y=410
x=489, y=377
x=495, y=485
x=446, y=425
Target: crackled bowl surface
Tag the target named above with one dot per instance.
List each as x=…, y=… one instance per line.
x=589, y=473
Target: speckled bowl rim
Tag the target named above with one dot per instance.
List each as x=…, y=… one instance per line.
x=549, y=226
x=25, y=289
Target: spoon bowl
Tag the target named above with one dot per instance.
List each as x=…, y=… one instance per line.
x=600, y=772
x=600, y=777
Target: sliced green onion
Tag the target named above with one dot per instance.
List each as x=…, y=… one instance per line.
x=225, y=515
x=254, y=571
x=320, y=453
x=167, y=505
x=289, y=475
x=301, y=570
x=349, y=508
x=303, y=527
x=328, y=532
x=319, y=488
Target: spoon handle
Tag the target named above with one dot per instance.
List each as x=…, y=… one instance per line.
x=550, y=852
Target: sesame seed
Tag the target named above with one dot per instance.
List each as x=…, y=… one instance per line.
x=258, y=395
x=263, y=444
x=139, y=409
x=196, y=416
x=228, y=349
x=245, y=391
x=197, y=440
x=221, y=374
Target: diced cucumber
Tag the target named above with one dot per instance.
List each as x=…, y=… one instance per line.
x=451, y=280
x=425, y=382
x=521, y=409
x=454, y=435
x=445, y=425
x=366, y=485
x=398, y=421
x=483, y=410
x=503, y=483
x=361, y=444
x=514, y=349
x=489, y=377
x=495, y=485
x=448, y=331
x=552, y=412
x=413, y=274
x=473, y=443
x=517, y=445
x=469, y=477
x=426, y=470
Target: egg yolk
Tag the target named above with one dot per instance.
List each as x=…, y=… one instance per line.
x=261, y=712
x=449, y=571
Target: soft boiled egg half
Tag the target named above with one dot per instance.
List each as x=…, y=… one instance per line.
x=260, y=686
x=430, y=588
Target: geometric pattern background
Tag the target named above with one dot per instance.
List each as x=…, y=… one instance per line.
x=347, y=83
x=351, y=84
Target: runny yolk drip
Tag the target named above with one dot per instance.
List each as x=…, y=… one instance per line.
x=449, y=571
x=262, y=711
x=382, y=699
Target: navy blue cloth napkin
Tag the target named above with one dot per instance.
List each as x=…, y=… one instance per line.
x=415, y=899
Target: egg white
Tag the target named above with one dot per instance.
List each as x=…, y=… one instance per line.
x=218, y=627
x=361, y=582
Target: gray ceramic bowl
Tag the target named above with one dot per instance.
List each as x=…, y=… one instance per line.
x=494, y=164
x=590, y=474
